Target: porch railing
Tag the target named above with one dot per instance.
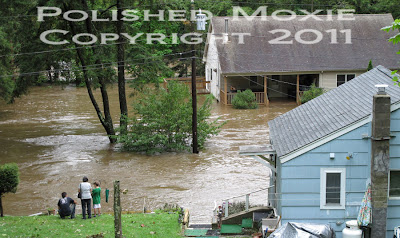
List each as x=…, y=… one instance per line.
x=226, y=98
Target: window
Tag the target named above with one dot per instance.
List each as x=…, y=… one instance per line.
x=394, y=184
x=333, y=187
x=343, y=78
x=211, y=72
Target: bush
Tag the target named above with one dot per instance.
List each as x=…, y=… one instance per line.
x=370, y=66
x=312, y=93
x=9, y=179
x=163, y=121
x=245, y=100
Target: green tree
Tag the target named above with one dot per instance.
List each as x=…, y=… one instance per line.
x=162, y=121
x=395, y=40
x=312, y=93
x=9, y=179
x=370, y=66
x=244, y=100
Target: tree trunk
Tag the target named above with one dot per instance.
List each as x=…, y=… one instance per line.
x=109, y=126
x=1, y=206
x=121, y=71
x=105, y=121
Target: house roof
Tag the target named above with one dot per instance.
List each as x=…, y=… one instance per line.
x=342, y=107
x=258, y=55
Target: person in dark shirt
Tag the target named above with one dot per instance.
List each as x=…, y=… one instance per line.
x=66, y=206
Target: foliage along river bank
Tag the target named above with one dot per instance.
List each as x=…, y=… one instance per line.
x=54, y=136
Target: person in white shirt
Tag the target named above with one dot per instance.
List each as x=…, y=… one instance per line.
x=85, y=189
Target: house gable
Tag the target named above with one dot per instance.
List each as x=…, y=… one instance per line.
x=300, y=179
x=330, y=115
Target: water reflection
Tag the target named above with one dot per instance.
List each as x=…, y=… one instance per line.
x=55, y=137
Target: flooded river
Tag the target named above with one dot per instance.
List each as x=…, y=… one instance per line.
x=54, y=136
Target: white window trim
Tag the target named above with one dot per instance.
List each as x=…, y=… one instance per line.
x=392, y=198
x=346, y=74
x=342, y=172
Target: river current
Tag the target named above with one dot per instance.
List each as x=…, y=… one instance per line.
x=54, y=136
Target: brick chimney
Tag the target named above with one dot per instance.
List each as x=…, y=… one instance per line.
x=380, y=137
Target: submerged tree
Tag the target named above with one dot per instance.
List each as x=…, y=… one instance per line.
x=9, y=179
x=163, y=122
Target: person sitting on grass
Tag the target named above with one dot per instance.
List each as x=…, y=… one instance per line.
x=96, y=198
x=66, y=206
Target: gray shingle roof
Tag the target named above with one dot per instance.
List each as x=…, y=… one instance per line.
x=257, y=55
x=330, y=112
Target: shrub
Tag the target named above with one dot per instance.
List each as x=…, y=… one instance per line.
x=244, y=100
x=370, y=66
x=312, y=93
x=9, y=179
x=163, y=121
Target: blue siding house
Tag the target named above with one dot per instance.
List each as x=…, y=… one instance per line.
x=323, y=154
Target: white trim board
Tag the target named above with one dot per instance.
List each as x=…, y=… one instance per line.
x=332, y=136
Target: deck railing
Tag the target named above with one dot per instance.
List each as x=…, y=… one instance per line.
x=227, y=98
x=247, y=200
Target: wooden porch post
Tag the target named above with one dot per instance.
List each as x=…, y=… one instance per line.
x=226, y=90
x=266, y=101
x=298, y=90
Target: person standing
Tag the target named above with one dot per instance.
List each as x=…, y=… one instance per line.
x=96, y=198
x=66, y=206
x=86, y=197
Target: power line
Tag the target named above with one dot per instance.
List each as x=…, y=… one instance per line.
x=74, y=48
x=90, y=67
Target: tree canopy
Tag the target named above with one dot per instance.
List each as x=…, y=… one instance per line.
x=162, y=121
x=9, y=180
x=395, y=40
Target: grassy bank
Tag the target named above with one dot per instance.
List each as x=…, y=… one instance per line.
x=133, y=225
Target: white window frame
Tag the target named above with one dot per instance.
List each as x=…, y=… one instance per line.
x=396, y=197
x=345, y=74
x=324, y=172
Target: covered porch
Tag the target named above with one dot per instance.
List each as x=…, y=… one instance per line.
x=268, y=87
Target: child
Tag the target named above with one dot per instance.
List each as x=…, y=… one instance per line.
x=96, y=198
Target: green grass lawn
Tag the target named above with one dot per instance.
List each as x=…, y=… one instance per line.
x=133, y=225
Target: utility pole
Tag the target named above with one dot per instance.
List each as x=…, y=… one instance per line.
x=380, y=139
x=194, y=94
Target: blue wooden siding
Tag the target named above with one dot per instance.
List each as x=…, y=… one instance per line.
x=394, y=205
x=300, y=179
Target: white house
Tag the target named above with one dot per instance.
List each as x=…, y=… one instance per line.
x=281, y=58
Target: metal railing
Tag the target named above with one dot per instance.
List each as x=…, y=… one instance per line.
x=247, y=200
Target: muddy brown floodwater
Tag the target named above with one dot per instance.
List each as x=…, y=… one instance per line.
x=54, y=136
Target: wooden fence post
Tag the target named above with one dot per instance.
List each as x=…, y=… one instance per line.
x=117, y=211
